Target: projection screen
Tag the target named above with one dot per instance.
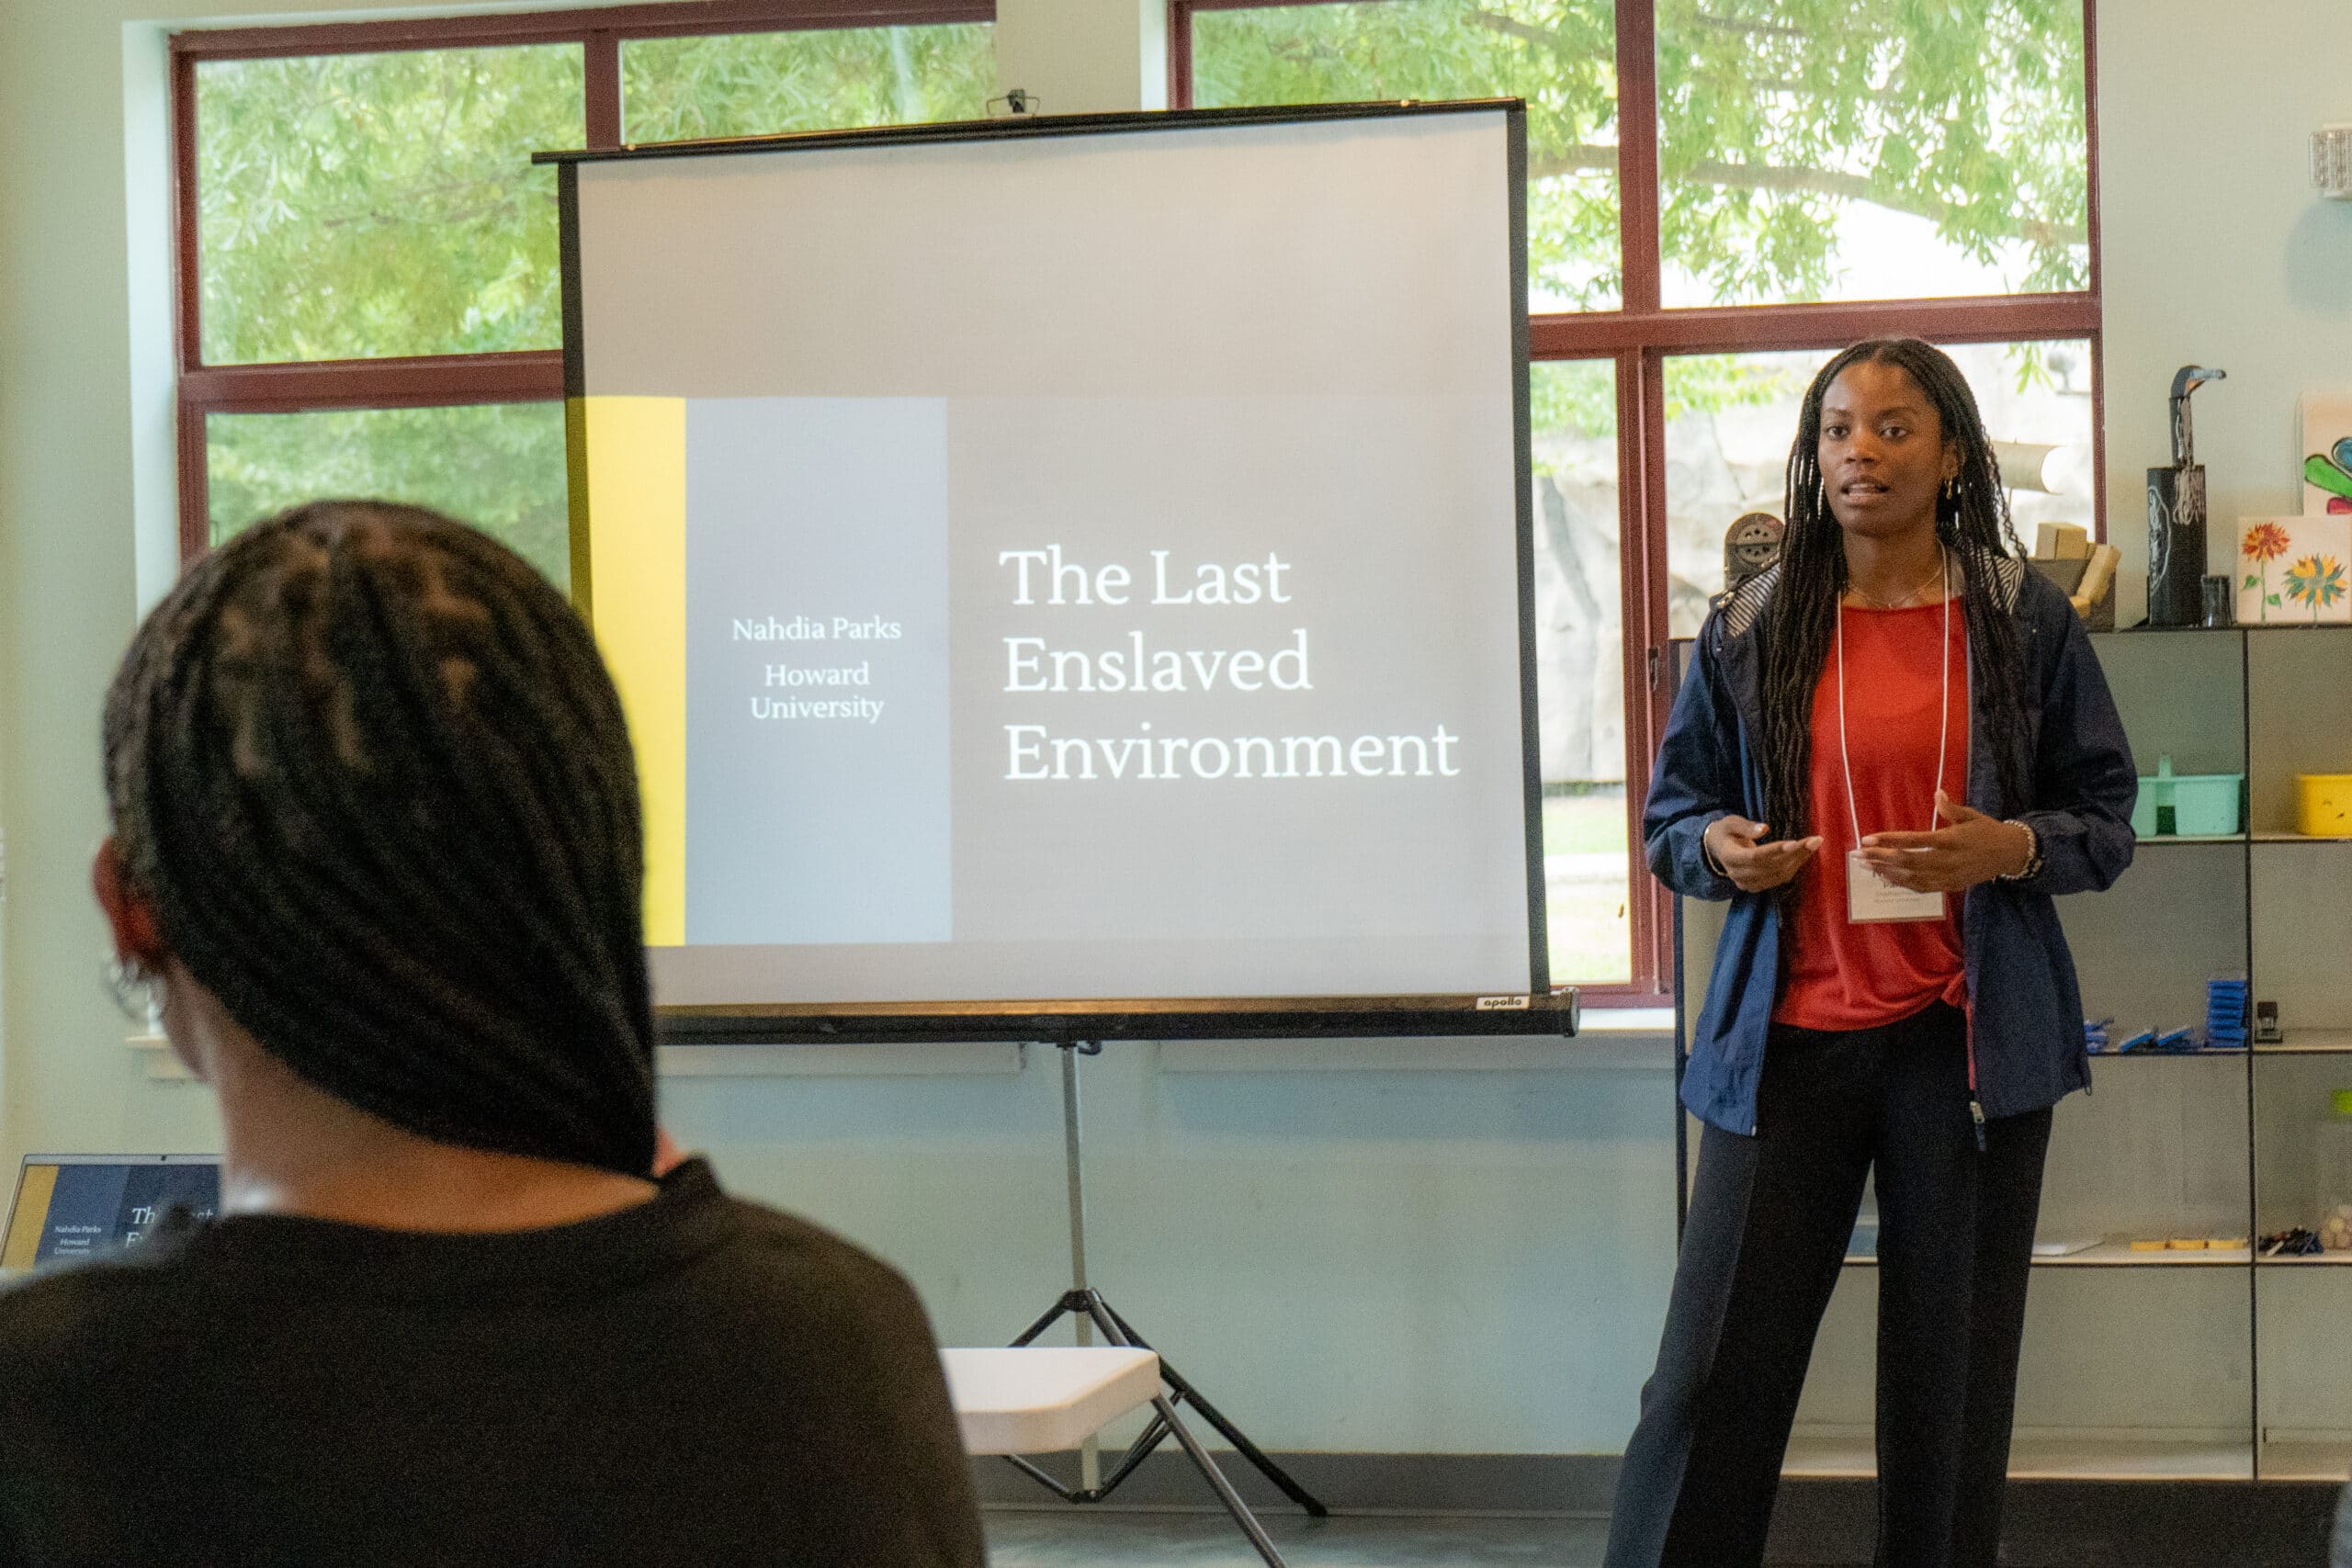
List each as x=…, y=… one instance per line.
x=1070, y=566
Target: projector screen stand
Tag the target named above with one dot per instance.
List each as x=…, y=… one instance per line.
x=1094, y=1315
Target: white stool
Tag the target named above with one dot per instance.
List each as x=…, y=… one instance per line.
x=1039, y=1399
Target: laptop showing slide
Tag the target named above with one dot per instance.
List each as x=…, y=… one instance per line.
x=75, y=1206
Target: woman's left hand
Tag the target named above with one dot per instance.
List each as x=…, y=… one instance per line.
x=1976, y=848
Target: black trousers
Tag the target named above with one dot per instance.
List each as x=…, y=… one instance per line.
x=1761, y=1250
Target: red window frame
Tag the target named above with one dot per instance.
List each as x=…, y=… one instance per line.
x=1637, y=337
x=438, y=381
x=1641, y=334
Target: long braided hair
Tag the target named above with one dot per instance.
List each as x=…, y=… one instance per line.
x=369, y=771
x=1971, y=519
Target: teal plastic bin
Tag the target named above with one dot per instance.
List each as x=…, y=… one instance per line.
x=2188, y=805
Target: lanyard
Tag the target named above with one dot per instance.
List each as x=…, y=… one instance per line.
x=1943, y=734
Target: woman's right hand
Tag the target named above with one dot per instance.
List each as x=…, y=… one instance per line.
x=1754, y=866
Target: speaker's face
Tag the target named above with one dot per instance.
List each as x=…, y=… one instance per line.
x=1884, y=452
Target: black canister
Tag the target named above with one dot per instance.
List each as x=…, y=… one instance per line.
x=2176, y=545
x=2176, y=517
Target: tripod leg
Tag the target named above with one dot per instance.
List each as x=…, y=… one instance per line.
x=1054, y=1315
x=1137, y=1451
x=1224, y=1488
x=1068, y=1494
x=1243, y=1446
x=1120, y=1332
x=1100, y=1309
x=1091, y=1304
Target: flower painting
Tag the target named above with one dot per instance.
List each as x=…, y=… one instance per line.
x=2293, y=570
x=2318, y=581
x=2326, y=447
x=2261, y=544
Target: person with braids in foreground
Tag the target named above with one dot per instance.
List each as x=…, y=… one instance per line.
x=375, y=843
x=1892, y=750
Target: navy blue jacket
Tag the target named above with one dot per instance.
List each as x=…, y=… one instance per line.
x=2025, y=1008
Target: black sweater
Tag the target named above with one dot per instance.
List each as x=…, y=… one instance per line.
x=693, y=1380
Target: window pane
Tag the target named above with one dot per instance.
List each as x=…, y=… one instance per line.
x=681, y=89
x=1560, y=55
x=497, y=466
x=1730, y=419
x=1817, y=150
x=357, y=205
x=1580, y=670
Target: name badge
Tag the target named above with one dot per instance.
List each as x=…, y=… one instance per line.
x=1871, y=898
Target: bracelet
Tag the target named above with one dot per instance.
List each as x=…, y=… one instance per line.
x=2032, y=867
x=1708, y=855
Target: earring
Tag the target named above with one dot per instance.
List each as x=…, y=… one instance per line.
x=122, y=977
x=127, y=977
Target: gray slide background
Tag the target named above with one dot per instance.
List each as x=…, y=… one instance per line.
x=1392, y=574
x=805, y=829
x=1219, y=342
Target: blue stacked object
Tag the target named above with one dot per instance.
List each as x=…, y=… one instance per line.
x=2225, y=1013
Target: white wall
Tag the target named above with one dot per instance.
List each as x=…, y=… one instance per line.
x=1084, y=56
x=2217, y=250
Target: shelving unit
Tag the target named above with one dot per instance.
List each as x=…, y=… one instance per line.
x=2312, y=1042
x=2209, y=1365
x=1835, y=1455
x=2120, y=1254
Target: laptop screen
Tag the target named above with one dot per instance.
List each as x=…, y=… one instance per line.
x=71, y=1206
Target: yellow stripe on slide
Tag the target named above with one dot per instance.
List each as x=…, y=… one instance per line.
x=32, y=1216
x=628, y=471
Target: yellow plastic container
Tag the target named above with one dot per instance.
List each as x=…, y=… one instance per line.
x=2324, y=805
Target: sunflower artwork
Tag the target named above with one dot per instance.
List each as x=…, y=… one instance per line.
x=2260, y=543
x=2318, y=581
x=2293, y=570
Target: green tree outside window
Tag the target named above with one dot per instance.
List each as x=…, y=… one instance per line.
x=1777, y=117
x=354, y=206
x=759, y=84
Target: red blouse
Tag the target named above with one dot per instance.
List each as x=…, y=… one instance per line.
x=1841, y=975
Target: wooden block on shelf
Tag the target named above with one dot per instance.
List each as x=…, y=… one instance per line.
x=2060, y=541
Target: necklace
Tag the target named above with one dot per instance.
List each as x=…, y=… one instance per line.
x=1943, y=737
x=1902, y=601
